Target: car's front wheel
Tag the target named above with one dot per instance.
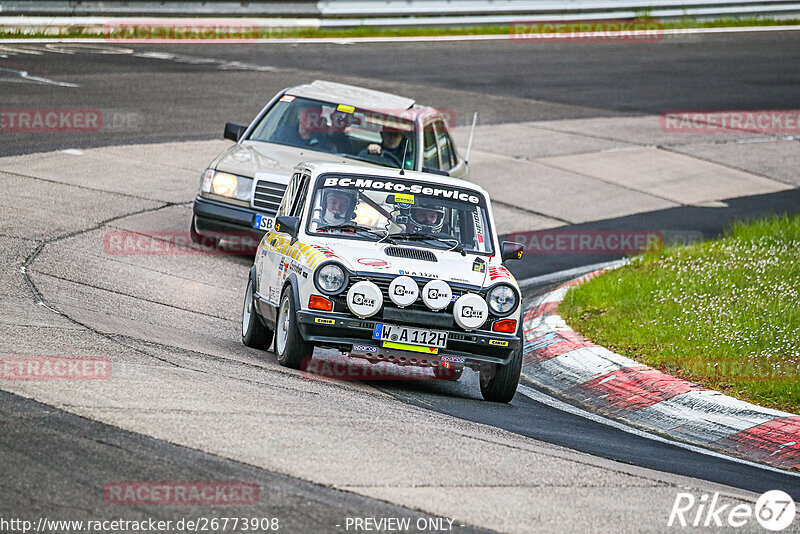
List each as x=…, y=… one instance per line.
x=292, y=349
x=499, y=382
x=254, y=334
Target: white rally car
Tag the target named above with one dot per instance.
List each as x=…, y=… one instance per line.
x=388, y=265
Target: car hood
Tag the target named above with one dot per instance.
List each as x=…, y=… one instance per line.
x=369, y=258
x=249, y=157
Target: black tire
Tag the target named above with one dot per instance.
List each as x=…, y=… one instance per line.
x=499, y=382
x=254, y=334
x=452, y=374
x=293, y=349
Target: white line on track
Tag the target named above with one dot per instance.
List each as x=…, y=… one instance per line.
x=26, y=76
x=553, y=402
x=419, y=38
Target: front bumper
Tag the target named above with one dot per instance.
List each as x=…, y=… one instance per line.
x=212, y=217
x=342, y=331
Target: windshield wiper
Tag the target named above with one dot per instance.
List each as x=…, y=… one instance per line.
x=351, y=226
x=416, y=236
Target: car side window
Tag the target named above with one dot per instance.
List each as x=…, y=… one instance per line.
x=300, y=197
x=288, y=197
x=430, y=154
x=445, y=145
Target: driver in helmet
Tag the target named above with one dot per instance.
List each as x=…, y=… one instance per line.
x=338, y=206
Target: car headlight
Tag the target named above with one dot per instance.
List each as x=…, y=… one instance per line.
x=502, y=299
x=330, y=278
x=227, y=185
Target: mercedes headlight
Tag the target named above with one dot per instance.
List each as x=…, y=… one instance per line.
x=502, y=299
x=227, y=185
x=330, y=279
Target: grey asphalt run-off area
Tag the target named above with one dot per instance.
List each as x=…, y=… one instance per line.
x=569, y=137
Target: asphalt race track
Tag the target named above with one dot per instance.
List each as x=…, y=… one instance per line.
x=161, y=92
x=194, y=404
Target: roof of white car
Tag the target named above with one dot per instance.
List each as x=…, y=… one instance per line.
x=318, y=168
x=351, y=95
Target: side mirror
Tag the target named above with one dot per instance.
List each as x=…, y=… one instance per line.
x=234, y=132
x=288, y=225
x=511, y=251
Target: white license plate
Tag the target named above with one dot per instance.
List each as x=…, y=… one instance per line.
x=263, y=222
x=410, y=336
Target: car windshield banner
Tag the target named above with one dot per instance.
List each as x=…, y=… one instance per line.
x=403, y=187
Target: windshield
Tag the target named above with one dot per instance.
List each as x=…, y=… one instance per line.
x=374, y=136
x=400, y=210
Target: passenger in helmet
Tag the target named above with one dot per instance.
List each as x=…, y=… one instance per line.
x=338, y=206
x=425, y=218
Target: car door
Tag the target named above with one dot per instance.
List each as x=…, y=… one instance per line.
x=431, y=159
x=271, y=274
x=282, y=251
x=455, y=166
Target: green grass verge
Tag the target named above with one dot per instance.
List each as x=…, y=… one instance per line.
x=723, y=313
x=398, y=31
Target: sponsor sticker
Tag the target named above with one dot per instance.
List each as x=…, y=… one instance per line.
x=498, y=343
x=345, y=108
x=478, y=265
x=364, y=348
x=403, y=198
x=373, y=262
x=453, y=359
x=322, y=320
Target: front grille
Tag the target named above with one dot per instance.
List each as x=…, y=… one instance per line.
x=411, y=253
x=267, y=196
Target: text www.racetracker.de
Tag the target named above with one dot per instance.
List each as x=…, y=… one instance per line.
x=143, y=526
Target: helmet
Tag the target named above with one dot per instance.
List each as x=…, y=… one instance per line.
x=347, y=214
x=427, y=217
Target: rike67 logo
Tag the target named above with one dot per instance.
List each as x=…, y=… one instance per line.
x=774, y=510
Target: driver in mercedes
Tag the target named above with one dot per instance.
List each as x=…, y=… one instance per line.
x=392, y=145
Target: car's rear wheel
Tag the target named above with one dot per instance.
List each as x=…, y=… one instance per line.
x=499, y=382
x=254, y=334
x=290, y=346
